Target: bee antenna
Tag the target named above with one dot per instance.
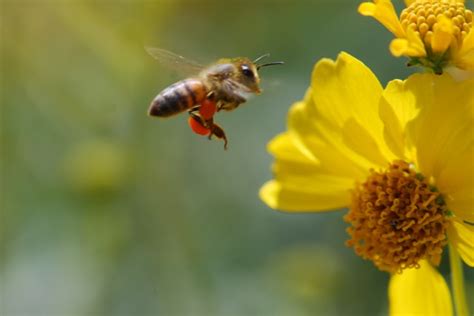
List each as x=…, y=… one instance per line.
x=261, y=57
x=270, y=64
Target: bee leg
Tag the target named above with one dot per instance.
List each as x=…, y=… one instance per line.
x=215, y=129
x=194, y=109
x=211, y=96
x=228, y=106
x=199, y=119
x=219, y=133
x=194, y=113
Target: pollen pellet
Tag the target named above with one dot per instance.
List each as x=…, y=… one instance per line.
x=207, y=109
x=197, y=127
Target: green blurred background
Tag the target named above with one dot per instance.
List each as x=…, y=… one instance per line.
x=106, y=211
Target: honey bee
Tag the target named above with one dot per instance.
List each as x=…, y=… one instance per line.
x=223, y=85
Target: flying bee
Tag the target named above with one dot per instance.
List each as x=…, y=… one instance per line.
x=223, y=85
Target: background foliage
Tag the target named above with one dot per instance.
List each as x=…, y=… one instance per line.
x=106, y=211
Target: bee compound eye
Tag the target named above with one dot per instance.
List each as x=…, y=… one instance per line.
x=247, y=71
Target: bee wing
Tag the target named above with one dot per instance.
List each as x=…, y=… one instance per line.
x=233, y=87
x=174, y=62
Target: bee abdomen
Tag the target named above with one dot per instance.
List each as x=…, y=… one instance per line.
x=178, y=98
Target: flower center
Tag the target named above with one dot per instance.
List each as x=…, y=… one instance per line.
x=422, y=17
x=397, y=218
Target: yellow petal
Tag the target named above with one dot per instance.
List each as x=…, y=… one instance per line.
x=461, y=203
x=284, y=146
x=420, y=291
x=456, y=181
x=464, y=58
x=357, y=138
x=466, y=61
x=384, y=12
x=411, y=46
x=442, y=34
x=313, y=143
x=277, y=196
x=300, y=183
x=295, y=170
x=399, y=47
x=443, y=130
x=461, y=235
x=468, y=42
x=341, y=91
x=409, y=2
x=398, y=106
x=456, y=178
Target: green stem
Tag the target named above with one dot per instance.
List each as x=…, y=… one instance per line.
x=457, y=282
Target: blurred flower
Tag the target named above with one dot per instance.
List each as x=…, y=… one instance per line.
x=433, y=33
x=308, y=273
x=96, y=166
x=400, y=158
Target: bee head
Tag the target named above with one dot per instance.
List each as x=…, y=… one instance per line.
x=246, y=73
x=243, y=71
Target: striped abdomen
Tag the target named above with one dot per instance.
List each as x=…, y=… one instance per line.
x=178, y=97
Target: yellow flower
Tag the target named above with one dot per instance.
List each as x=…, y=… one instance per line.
x=400, y=158
x=433, y=33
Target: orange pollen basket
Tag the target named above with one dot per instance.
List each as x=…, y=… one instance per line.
x=397, y=218
x=207, y=109
x=197, y=127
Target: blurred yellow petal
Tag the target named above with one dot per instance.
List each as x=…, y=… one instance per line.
x=461, y=235
x=399, y=47
x=431, y=33
x=456, y=179
x=466, y=61
x=461, y=203
x=420, y=291
x=442, y=34
x=411, y=46
x=277, y=196
x=465, y=56
x=384, y=12
x=468, y=42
